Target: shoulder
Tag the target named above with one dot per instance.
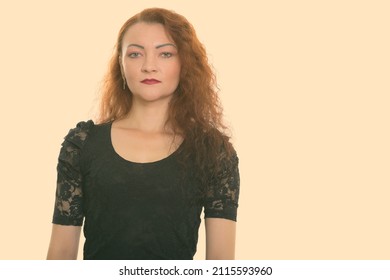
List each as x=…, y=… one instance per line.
x=81, y=129
x=226, y=153
x=226, y=161
x=78, y=134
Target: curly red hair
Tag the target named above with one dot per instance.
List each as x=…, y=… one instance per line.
x=195, y=111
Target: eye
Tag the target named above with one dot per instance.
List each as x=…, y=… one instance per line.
x=166, y=54
x=134, y=54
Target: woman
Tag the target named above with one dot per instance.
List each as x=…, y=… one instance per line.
x=158, y=154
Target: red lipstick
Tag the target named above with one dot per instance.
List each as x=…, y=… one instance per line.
x=150, y=81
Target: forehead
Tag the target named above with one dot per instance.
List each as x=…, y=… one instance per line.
x=146, y=34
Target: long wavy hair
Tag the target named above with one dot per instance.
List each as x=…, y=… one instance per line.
x=195, y=111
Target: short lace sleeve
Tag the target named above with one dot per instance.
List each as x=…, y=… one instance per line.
x=222, y=197
x=68, y=209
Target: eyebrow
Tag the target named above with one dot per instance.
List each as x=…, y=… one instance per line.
x=157, y=47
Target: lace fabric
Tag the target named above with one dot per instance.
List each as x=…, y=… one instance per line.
x=222, y=199
x=69, y=195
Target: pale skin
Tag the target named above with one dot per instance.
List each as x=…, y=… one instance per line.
x=148, y=52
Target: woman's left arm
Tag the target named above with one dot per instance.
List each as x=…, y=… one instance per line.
x=220, y=239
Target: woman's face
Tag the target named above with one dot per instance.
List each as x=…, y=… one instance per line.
x=150, y=62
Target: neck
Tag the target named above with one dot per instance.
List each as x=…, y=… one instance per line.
x=148, y=117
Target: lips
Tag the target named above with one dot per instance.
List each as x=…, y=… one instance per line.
x=150, y=81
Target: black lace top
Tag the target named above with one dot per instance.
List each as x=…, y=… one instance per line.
x=133, y=210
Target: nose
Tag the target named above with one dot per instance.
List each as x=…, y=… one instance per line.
x=149, y=64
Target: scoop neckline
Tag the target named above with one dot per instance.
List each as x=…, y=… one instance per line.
x=135, y=162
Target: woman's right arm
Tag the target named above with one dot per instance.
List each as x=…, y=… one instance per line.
x=64, y=242
x=68, y=211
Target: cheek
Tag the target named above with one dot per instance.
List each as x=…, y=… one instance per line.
x=130, y=69
x=175, y=71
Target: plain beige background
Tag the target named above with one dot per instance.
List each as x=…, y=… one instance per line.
x=305, y=87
